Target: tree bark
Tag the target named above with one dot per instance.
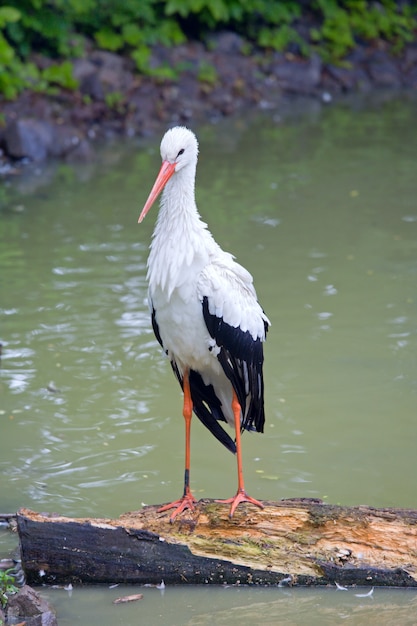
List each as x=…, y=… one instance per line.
x=290, y=542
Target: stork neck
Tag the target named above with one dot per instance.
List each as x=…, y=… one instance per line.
x=180, y=239
x=178, y=205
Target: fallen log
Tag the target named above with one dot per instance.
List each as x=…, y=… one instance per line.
x=290, y=542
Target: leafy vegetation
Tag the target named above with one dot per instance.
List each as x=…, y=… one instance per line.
x=343, y=22
x=7, y=586
x=62, y=29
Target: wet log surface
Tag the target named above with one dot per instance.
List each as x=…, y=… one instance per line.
x=290, y=542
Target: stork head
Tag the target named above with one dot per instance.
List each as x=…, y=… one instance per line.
x=179, y=150
x=179, y=147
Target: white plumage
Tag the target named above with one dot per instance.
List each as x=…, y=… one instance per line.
x=204, y=309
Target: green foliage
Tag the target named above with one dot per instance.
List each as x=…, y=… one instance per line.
x=8, y=15
x=60, y=29
x=344, y=21
x=282, y=38
x=60, y=74
x=211, y=12
x=335, y=35
x=7, y=586
x=114, y=100
x=207, y=73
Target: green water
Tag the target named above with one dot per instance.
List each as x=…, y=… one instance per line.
x=246, y=607
x=321, y=207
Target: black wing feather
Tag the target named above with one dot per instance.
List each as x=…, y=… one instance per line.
x=241, y=357
x=156, y=328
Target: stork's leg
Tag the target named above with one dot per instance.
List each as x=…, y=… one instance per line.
x=241, y=495
x=187, y=501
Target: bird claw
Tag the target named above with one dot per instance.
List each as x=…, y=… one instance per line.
x=241, y=496
x=186, y=502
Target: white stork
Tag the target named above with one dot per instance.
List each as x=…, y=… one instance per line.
x=205, y=314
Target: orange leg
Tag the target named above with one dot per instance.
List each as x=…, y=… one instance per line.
x=241, y=495
x=187, y=501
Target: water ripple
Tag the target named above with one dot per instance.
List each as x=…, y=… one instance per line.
x=62, y=271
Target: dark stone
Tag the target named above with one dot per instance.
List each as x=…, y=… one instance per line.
x=101, y=74
x=344, y=77
x=81, y=152
x=65, y=139
x=233, y=70
x=410, y=58
x=189, y=89
x=412, y=78
x=383, y=70
x=188, y=55
x=91, y=86
x=109, y=60
x=37, y=140
x=296, y=75
x=28, y=606
x=145, y=103
x=160, y=55
x=222, y=101
x=28, y=138
x=357, y=56
x=227, y=43
x=363, y=81
x=409, y=66
x=82, y=68
x=112, y=80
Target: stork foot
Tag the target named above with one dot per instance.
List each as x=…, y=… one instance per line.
x=241, y=496
x=186, y=502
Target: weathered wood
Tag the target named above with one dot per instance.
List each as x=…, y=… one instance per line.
x=294, y=542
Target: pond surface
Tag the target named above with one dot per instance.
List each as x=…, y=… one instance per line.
x=320, y=206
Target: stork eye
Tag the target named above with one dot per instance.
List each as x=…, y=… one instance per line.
x=180, y=152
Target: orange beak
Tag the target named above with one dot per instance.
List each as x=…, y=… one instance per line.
x=165, y=173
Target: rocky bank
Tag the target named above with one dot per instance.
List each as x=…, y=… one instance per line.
x=217, y=80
